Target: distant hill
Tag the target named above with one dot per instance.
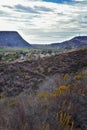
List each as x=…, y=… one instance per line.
x=12, y=39
x=72, y=43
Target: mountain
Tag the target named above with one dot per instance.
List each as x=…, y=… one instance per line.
x=12, y=39
x=75, y=42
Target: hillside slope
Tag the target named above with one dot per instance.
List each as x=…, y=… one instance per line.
x=15, y=77
x=72, y=43
x=48, y=94
x=12, y=39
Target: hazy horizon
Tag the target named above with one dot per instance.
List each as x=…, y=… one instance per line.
x=44, y=21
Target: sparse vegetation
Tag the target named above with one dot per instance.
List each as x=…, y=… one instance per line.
x=32, y=99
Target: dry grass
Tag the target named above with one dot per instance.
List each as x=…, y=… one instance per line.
x=52, y=99
x=62, y=108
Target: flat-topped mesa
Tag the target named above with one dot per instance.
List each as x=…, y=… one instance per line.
x=12, y=39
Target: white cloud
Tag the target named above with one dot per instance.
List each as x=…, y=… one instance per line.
x=80, y=0
x=43, y=22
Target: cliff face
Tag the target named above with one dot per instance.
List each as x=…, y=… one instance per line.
x=12, y=39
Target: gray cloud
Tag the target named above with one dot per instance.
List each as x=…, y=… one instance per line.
x=7, y=6
x=35, y=9
x=25, y=9
x=42, y=8
x=3, y=13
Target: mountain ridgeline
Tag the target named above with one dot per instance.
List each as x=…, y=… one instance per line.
x=75, y=42
x=12, y=39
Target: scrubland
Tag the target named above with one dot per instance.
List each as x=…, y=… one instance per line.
x=58, y=101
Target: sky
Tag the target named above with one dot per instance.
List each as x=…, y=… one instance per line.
x=44, y=21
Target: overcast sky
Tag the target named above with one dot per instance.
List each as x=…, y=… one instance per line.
x=44, y=21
